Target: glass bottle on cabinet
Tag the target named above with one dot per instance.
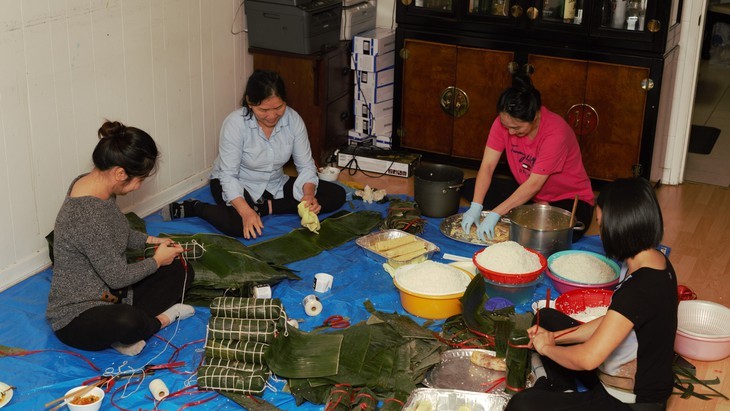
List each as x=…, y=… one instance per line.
x=489, y=7
x=624, y=14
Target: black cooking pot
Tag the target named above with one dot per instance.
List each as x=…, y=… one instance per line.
x=436, y=189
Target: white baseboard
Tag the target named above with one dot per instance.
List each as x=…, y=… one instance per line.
x=15, y=273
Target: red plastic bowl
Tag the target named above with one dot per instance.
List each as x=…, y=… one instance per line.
x=577, y=301
x=507, y=278
x=564, y=286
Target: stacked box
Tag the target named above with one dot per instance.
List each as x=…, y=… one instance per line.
x=373, y=59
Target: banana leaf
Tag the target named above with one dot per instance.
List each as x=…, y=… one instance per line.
x=221, y=328
x=250, y=352
x=251, y=308
x=301, y=243
x=395, y=402
x=365, y=400
x=517, y=361
x=304, y=355
x=236, y=365
x=340, y=398
x=227, y=379
x=250, y=403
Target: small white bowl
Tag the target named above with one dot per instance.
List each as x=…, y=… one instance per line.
x=328, y=173
x=95, y=406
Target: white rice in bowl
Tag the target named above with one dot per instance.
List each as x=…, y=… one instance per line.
x=509, y=257
x=583, y=268
x=432, y=278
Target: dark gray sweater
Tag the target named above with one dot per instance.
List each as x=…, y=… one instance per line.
x=91, y=236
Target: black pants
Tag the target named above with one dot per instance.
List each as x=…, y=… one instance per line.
x=227, y=220
x=548, y=393
x=502, y=187
x=97, y=328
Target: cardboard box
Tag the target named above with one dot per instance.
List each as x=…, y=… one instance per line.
x=367, y=109
x=374, y=78
x=374, y=42
x=400, y=165
x=373, y=94
x=374, y=125
x=364, y=62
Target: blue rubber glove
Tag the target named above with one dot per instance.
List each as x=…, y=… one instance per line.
x=486, y=228
x=471, y=216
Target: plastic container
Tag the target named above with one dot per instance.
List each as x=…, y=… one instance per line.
x=703, y=319
x=508, y=278
x=367, y=243
x=328, y=173
x=95, y=406
x=577, y=301
x=702, y=349
x=517, y=293
x=433, y=307
x=564, y=285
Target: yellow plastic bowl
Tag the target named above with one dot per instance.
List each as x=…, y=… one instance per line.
x=432, y=307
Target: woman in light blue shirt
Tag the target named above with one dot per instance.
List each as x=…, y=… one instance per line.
x=248, y=180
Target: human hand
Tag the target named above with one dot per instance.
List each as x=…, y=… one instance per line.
x=471, y=216
x=486, y=228
x=252, y=224
x=166, y=253
x=158, y=240
x=312, y=203
x=541, y=339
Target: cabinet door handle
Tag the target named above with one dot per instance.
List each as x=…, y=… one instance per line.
x=647, y=84
x=454, y=101
x=583, y=119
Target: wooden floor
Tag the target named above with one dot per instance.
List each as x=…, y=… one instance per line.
x=696, y=227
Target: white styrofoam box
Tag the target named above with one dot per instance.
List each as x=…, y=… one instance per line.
x=374, y=42
x=357, y=19
x=367, y=109
x=378, y=62
x=374, y=125
x=374, y=78
x=354, y=134
x=374, y=95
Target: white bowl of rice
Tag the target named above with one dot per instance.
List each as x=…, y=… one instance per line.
x=574, y=269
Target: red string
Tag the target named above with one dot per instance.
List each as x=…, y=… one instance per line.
x=394, y=399
x=494, y=384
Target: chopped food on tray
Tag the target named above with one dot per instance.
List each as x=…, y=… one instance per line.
x=486, y=360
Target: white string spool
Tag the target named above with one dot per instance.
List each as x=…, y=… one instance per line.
x=159, y=389
x=262, y=291
x=312, y=305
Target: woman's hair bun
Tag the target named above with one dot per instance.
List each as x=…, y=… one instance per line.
x=522, y=82
x=111, y=129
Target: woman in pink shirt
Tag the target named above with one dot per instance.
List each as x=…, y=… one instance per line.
x=543, y=155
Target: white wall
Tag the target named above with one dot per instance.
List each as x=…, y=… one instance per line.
x=174, y=68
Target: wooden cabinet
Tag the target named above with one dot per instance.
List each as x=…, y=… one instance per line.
x=319, y=87
x=450, y=112
x=604, y=80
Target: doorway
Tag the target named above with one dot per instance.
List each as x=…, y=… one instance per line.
x=709, y=146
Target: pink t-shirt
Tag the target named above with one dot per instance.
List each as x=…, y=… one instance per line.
x=554, y=152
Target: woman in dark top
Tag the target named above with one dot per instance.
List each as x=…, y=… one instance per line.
x=625, y=357
x=97, y=298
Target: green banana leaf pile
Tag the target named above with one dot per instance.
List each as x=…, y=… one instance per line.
x=389, y=354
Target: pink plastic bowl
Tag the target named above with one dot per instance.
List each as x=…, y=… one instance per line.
x=702, y=349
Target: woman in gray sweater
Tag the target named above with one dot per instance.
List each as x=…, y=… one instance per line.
x=97, y=299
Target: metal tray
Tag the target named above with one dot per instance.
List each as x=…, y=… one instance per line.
x=451, y=400
x=456, y=371
x=368, y=243
x=451, y=227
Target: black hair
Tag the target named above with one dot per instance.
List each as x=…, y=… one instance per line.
x=261, y=85
x=130, y=148
x=631, y=219
x=521, y=101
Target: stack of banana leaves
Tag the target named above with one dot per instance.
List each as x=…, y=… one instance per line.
x=404, y=215
x=379, y=359
x=227, y=267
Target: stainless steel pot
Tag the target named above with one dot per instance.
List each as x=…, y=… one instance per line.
x=542, y=227
x=436, y=189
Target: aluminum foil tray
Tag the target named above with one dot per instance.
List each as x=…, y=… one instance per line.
x=368, y=243
x=451, y=227
x=452, y=400
x=456, y=371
